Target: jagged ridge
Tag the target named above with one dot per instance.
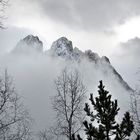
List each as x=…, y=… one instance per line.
x=63, y=48
x=28, y=45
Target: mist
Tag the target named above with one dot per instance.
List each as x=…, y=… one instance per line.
x=34, y=74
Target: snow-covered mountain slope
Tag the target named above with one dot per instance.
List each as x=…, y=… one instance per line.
x=63, y=48
x=30, y=44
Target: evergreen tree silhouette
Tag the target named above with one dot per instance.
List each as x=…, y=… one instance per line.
x=103, y=125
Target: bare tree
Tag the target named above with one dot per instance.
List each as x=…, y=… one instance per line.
x=14, y=119
x=3, y=5
x=135, y=109
x=45, y=135
x=68, y=103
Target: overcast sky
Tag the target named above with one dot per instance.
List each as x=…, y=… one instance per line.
x=104, y=26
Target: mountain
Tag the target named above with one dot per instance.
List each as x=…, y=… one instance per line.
x=35, y=71
x=30, y=44
x=63, y=48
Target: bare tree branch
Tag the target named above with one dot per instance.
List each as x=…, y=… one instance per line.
x=45, y=135
x=14, y=119
x=68, y=103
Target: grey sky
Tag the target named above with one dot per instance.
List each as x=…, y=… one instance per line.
x=91, y=14
x=132, y=48
x=126, y=60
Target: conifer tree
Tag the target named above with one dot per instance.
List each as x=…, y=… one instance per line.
x=103, y=125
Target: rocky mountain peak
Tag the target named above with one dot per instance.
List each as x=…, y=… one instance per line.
x=62, y=47
x=30, y=39
x=29, y=44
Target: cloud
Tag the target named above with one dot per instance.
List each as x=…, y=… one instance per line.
x=126, y=60
x=10, y=36
x=91, y=14
x=34, y=79
x=131, y=48
x=78, y=20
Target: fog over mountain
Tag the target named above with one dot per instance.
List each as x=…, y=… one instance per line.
x=35, y=70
